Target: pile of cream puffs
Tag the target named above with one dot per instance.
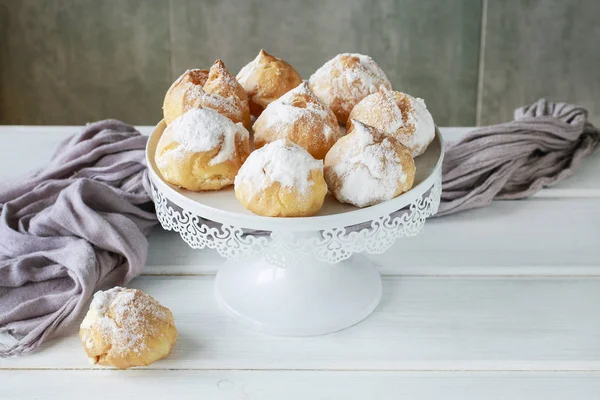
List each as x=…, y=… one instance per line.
x=344, y=131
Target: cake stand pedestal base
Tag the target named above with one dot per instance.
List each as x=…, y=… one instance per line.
x=309, y=298
x=312, y=279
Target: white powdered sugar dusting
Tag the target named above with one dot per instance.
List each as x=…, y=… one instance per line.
x=400, y=115
x=327, y=131
x=214, y=101
x=196, y=94
x=282, y=111
x=103, y=299
x=373, y=69
x=369, y=172
x=279, y=161
x=202, y=130
x=368, y=73
x=423, y=130
x=227, y=80
x=358, y=82
x=246, y=77
x=121, y=316
x=396, y=120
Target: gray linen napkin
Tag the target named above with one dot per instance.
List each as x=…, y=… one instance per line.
x=543, y=145
x=75, y=226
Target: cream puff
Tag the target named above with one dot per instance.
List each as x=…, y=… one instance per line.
x=367, y=167
x=216, y=88
x=300, y=117
x=202, y=150
x=127, y=328
x=345, y=80
x=397, y=114
x=281, y=179
x=265, y=79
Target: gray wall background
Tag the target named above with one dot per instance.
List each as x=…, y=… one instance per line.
x=473, y=61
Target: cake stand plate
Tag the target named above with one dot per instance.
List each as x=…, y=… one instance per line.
x=297, y=276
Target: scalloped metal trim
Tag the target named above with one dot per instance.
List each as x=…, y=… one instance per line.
x=285, y=248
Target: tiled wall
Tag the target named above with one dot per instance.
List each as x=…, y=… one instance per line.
x=474, y=61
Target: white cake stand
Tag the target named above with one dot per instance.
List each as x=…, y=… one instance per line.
x=297, y=276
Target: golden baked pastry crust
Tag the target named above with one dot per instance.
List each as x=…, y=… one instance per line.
x=345, y=80
x=278, y=201
x=195, y=170
x=127, y=329
x=216, y=88
x=397, y=114
x=265, y=79
x=367, y=167
x=300, y=117
x=262, y=184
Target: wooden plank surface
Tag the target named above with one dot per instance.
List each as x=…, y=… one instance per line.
x=299, y=385
x=494, y=303
x=422, y=323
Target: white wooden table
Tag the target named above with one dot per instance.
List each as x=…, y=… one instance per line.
x=497, y=303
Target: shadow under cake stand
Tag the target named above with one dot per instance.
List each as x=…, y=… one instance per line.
x=297, y=276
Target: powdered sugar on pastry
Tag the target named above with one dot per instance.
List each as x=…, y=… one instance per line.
x=197, y=98
x=361, y=79
x=265, y=79
x=400, y=115
x=215, y=88
x=424, y=127
x=369, y=73
x=300, y=117
x=280, y=161
x=281, y=112
x=122, y=317
x=365, y=172
x=202, y=130
x=247, y=75
x=284, y=111
x=345, y=80
x=367, y=168
x=223, y=83
x=389, y=107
